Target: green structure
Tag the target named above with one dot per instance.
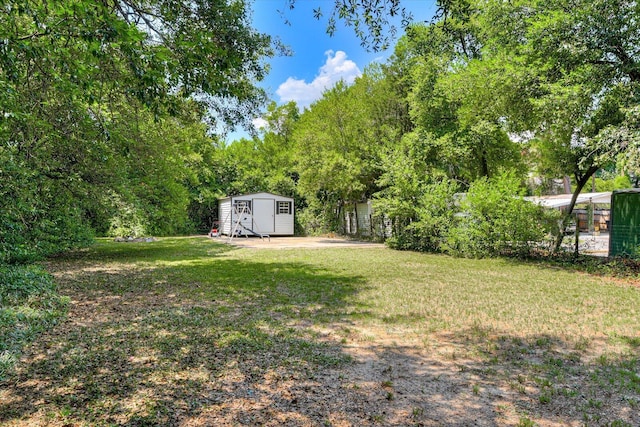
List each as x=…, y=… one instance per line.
x=624, y=235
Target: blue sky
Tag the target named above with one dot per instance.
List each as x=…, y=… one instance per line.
x=318, y=60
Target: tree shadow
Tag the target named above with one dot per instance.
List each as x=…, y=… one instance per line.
x=162, y=249
x=475, y=379
x=214, y=340
x=478, y=377
x=531, y=382
x=153, y=345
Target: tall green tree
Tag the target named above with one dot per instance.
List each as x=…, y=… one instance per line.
x=277, y=149
x=582, y=61
x=561, y=75
x=264, y=162
x=74, y=74
x=453, y=102
x=340, y=141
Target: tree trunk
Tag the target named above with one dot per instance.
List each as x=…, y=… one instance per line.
x=484, y=165
x=355, y=214
x=341, y=219
x=581, y=182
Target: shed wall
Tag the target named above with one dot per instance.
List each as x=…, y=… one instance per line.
x=283, y=224
x=224, y=216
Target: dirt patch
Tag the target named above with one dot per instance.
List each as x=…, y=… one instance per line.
x=393, y=380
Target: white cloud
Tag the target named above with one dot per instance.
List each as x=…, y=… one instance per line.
x=336, y=68
x=259, y=123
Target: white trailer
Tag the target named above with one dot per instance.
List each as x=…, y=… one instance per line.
x=261, y=214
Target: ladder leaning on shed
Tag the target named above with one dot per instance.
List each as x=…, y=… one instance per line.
x=238, y=224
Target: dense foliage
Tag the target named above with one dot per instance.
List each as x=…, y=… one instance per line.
x=494, y=219
x=339, y=144
x=109, y=117
x=535, y=88
x=100, y=131
x=103, y=108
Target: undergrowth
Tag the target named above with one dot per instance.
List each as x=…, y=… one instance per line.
x=600, y=266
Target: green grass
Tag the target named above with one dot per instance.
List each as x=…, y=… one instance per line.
x=29, y=305
x=172, y=327
x=429, y=293
x=432, y=293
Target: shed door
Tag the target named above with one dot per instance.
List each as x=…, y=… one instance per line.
x=263, y=215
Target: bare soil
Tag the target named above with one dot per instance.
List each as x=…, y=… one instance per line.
x=391, y=381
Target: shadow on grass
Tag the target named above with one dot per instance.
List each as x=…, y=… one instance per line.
x=473, y=378
x=156, y=344
x=156, y=336
x=547, y=379
x=168, y=249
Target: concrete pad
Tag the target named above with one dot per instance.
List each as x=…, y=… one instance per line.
x=596, y=244
x=296, y=242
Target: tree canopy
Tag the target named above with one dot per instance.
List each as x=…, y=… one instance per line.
x=102, y=105
x=109, y=112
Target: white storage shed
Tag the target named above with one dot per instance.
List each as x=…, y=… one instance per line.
x=256, y=214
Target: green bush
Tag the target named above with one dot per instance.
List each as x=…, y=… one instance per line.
x=29, y=304
x=129, y=220
x=423, y=224
x=39, y=216
x=31, y=236
x=618, y=182
x=494, y=219
x=320, y=217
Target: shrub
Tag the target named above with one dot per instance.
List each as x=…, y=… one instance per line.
x=30, y=236
x=128, y=220
x=423, y=224
x=496, y=220
x=320, y=217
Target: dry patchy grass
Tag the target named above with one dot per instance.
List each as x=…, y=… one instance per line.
x=189, y=332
